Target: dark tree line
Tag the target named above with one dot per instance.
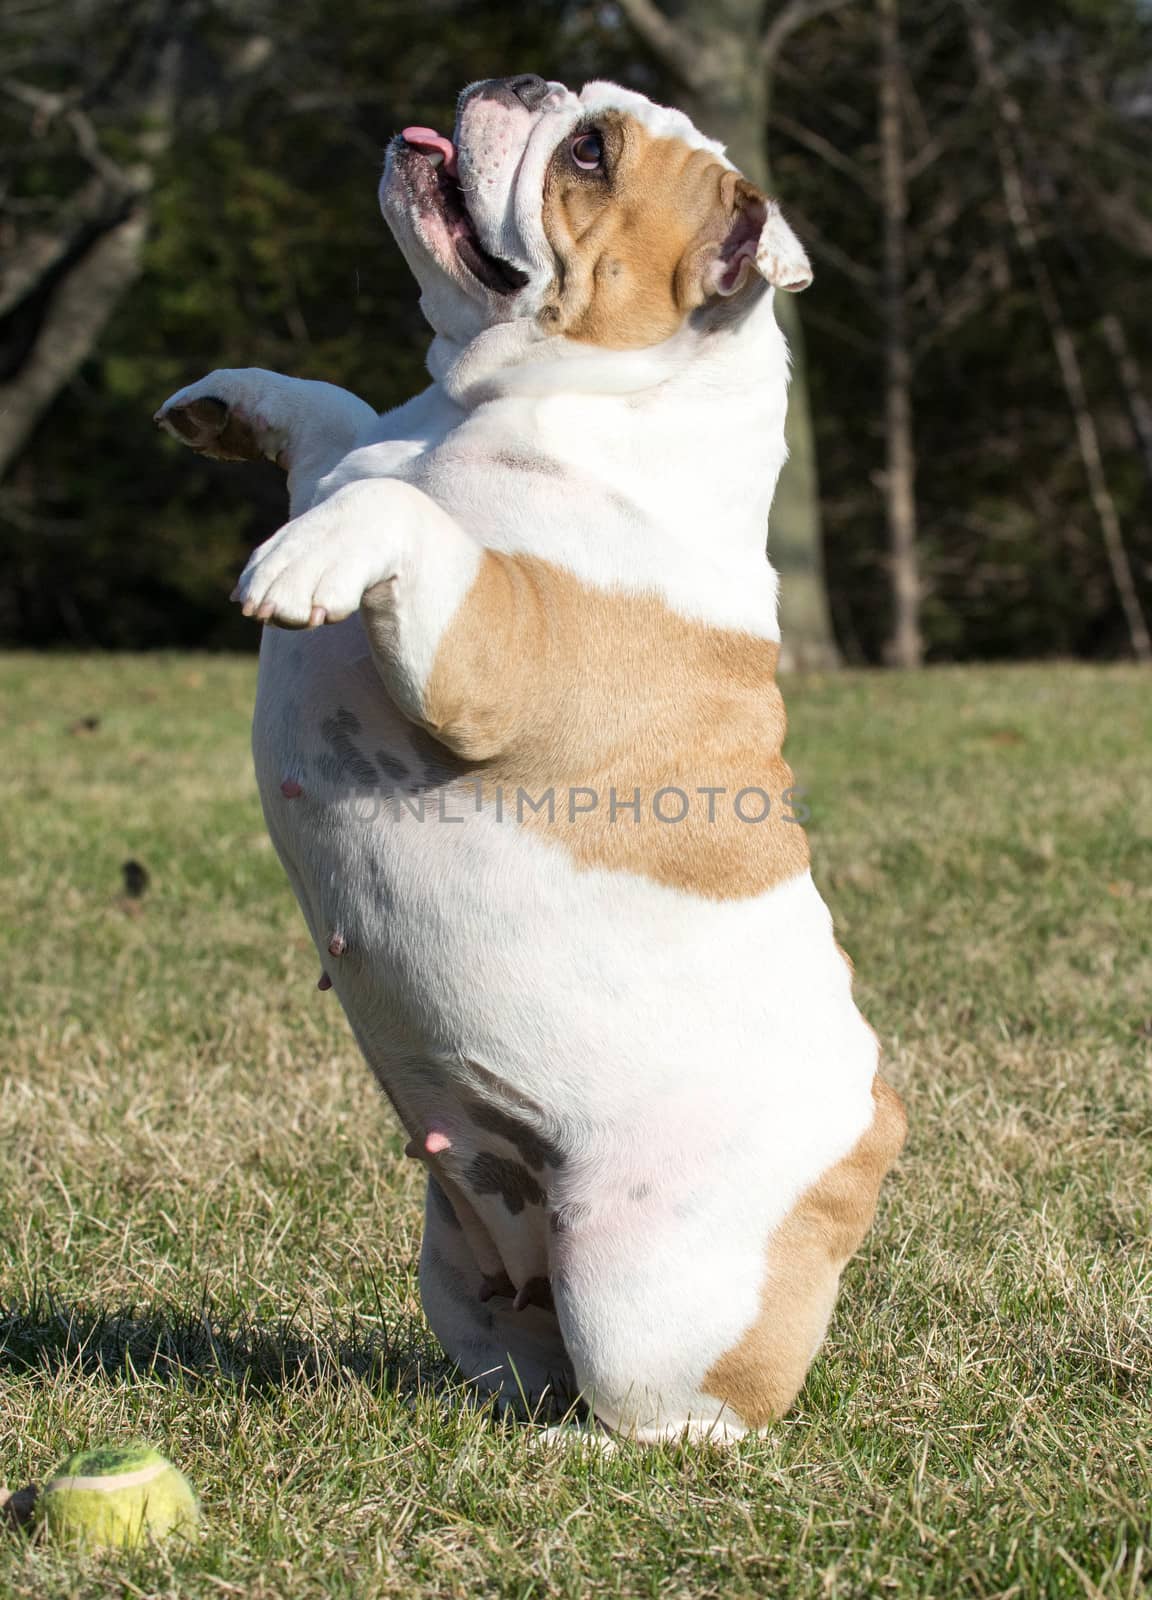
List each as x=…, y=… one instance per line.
x=190, y=183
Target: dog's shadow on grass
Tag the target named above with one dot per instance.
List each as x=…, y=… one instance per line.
x=196, y=1346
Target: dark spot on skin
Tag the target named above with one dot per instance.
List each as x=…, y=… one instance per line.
x=534, y=1147
x=391, y=766
x=444, y=1208
x=544, y=466
x=492, y=1174
x=348, y=761
x=329, y=772
x=640, y=1192
x=349, y=721
x=440, y=765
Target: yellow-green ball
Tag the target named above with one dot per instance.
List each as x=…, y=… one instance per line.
x=116, y=1497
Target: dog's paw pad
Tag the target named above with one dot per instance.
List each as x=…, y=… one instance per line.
x=212, y=428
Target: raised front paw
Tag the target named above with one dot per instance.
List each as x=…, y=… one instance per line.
x=222, y=416
x=319, y=566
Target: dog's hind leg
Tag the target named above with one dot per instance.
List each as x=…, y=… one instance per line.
x=515, y=1354
x=685, y=1322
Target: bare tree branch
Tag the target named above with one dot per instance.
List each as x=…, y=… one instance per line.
x=1018, y=204
x=49, y=106
x=669, y=43
x=849, y=335
x=94, y=273
x=825, y=251
x=826, y=150
x=44, y=248
x=45, y=102
x=1131, y=381
x=974, y=289
x=796, y=14
x=788, y=72
x=1123, y=221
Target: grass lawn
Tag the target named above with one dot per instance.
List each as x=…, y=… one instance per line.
x=208, y=1235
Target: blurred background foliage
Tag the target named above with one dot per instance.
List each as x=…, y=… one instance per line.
x=223, y=155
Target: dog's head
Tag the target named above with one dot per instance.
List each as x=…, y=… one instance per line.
x=600, y=217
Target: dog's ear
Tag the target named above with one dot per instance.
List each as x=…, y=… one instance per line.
x=757, y=240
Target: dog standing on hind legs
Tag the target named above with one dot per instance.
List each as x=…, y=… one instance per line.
x=519, y=746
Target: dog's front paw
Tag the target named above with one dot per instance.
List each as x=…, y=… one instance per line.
x=318, y=567
x=220, y=416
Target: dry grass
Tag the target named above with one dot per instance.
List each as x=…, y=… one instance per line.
x=207, y=1236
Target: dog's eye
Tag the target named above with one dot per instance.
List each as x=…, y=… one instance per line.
x=588, y=151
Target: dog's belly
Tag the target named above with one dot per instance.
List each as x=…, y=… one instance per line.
x=654, y=1055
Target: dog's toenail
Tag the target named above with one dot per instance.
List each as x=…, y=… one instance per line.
x=325, y=981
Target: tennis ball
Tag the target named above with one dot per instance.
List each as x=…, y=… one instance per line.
x=116, y=1496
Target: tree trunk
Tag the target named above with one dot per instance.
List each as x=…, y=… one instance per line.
x=1128, y=372
x=905, y=646
x=1020, y=215
x=77, y=314
x=1124, y=361
x=116, y=205
x=715, y=49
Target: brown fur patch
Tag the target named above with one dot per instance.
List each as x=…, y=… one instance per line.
x=634, y=241
x=544, y=685
x=761, y=1376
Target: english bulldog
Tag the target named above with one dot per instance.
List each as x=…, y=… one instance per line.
x=518, y=742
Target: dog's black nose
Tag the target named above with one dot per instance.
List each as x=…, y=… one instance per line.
x=528, y=89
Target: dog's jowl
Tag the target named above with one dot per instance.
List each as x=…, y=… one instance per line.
x=519, y=743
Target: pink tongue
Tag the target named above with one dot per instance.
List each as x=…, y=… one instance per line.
x=429, y=140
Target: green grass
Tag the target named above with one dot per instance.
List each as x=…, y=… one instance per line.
x=208, y=1235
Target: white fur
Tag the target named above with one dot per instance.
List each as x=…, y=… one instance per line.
x=704, y=1060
